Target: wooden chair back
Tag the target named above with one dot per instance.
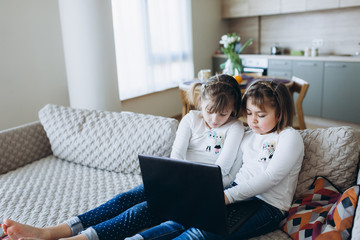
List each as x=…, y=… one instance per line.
x=186, y=105
x=299, y=86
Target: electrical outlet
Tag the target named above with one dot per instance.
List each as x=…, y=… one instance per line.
x=317, y=42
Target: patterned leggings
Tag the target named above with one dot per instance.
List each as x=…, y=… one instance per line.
x=120, y=217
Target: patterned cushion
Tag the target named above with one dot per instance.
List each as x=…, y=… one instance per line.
x=341, y=215
x=322, y=212
x=106, y=140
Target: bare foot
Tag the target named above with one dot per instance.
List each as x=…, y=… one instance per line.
x=77, y=237
x=18, y=231
x=29, y=238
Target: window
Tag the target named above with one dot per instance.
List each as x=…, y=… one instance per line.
x=153, y=45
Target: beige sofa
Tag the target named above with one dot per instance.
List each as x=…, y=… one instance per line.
x=73, y=160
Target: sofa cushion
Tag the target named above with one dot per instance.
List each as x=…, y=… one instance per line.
x=341, y=214
x=308, y=213
x=332, y=153
x=322, y=212
x=106, y=140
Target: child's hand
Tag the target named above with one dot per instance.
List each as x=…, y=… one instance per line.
x=226, y=199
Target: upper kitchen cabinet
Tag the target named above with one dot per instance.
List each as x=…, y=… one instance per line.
x=321, y=4
x=289, y=6
x=349, y=3
x=261, y=7
x=249, y=8
x=246, y=8
x=234, y=8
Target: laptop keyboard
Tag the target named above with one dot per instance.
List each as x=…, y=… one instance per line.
x=237, y=213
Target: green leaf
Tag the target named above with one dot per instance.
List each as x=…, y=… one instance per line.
x=248, y=42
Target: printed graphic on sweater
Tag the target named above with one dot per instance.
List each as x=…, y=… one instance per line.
x=267, y=151
x=215, y=141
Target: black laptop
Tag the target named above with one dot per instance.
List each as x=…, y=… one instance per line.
x=192, y=194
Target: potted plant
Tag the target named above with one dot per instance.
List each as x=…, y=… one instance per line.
x=231, y=47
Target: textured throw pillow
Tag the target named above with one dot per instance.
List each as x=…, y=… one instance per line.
x=106, y=140
x=326, y=151
x=322, y=212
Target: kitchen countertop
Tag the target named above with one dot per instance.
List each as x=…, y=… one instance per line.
x=337, y=58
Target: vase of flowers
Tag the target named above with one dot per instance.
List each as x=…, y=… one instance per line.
x=231, y=47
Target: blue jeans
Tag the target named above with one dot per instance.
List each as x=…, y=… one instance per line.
x=265, y=220
x=120, y=217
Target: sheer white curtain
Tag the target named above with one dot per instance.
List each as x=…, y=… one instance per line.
x=153, y=45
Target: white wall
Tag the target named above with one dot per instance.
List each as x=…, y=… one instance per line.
x=32, y=70
x=208, y=27
x=32, y=65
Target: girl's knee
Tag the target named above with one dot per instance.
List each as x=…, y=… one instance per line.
x=192, y=234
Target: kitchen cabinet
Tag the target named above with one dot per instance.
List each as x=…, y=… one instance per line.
x=341, y=91
x=234, y=8
x=321, y=4
x=312, y=72
x=280, y=68
x=248, y=8
x=349, y=3
x=289, y=6
x=334, y=84
x=261, y=7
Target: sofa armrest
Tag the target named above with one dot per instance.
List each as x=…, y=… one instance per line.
x=22, y=145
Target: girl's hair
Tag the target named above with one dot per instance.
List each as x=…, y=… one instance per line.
x=222, y=90
x=274, y=94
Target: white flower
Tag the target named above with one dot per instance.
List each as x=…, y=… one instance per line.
x=233, y=39
x=228, y=39
x=224, y=39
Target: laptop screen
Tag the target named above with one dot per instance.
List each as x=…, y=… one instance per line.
x=190, y=193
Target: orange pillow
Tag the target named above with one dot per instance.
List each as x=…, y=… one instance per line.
x=341, y=216
x=322, y=212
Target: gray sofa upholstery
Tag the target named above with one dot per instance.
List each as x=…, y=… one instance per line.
x=73, y=160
